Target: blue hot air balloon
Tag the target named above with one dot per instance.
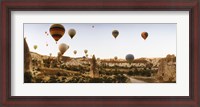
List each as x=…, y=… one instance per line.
x=129, y=58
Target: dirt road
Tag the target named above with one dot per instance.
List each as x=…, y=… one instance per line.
x=133, y=80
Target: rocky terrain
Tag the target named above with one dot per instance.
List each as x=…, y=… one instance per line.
x=48, y=69
x=167, y=69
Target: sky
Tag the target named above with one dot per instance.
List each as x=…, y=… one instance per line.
x=98, y=40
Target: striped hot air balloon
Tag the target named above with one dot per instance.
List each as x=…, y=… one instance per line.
x=57, y=31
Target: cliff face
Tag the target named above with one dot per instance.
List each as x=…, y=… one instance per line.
x=27, y=57
x=27, y=64
x=167, y=69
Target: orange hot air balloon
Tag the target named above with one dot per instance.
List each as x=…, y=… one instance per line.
x=144, y=35
x=57, y=31
x=72, y=33
x=115, y=33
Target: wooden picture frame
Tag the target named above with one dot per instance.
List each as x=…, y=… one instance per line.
x=193, y=6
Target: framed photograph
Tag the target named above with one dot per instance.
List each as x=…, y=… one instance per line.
x=142, y=53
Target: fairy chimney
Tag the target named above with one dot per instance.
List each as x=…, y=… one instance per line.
x=27, y=57
x=94, y=73
x=167, y=69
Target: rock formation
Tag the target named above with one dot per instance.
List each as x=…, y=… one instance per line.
x=94, y=73
x=27, y=63
x=167, y=69
x=27, y=57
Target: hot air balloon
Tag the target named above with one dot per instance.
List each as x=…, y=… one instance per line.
x=63, y=47
x=46, y=33
x=86, y=55
x=129, y=58
x=57, y=31
x=115, y=33
x=85, y=51
x=75, y=52
x=144, y=35
x=46, y=44
x=35, y=47
x=72, y=33
x=115, y=57
x=50, y=54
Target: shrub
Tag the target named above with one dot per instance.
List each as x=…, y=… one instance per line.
x=58, y=74
x=38, y=80
x=130, y=73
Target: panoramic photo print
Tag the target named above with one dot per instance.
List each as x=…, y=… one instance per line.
x=100, y=52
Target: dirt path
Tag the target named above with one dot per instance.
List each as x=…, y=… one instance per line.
x=133, y=80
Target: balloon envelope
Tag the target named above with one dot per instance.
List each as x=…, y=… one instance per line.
x=75, y=52
x=57, y=31
x=144, y=35
x=129, y=58
x=115, y=57
x=86, y=55
x=85, y=51
x=35, y=47
x=63, y=47
x=72, y=33
x=115, y=33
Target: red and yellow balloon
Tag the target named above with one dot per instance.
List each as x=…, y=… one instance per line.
x=57, y=31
